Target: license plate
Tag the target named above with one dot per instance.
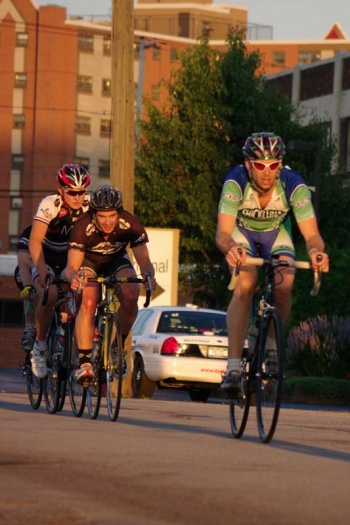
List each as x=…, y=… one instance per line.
x=217, y=351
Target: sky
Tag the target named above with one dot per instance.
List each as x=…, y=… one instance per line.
x=290, y=19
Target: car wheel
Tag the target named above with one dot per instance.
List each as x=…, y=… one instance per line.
x=141, y=385
x=199, y=395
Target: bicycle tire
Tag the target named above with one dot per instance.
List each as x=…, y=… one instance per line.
x=240, y=405
x=34, y=386
x=94, y=391
x=114, y=367
x=77, y=395
x=52, y=383
x=269, y=377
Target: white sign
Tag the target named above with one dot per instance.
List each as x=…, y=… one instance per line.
x=163, y=248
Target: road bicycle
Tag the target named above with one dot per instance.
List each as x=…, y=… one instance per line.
x=108, y=357
x=34, y=383
x=62, y=359
x=263, y=352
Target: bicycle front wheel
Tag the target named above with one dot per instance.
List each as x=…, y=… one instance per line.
x=114, y=368
x=34, y=386
x=94, y=390
x=270, y=374
x=240, y=404
x=52, y=382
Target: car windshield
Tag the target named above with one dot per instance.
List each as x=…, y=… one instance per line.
x=193, y=322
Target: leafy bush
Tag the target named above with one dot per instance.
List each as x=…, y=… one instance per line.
x=320, y=347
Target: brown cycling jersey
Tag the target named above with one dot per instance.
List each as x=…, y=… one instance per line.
x=98, y=247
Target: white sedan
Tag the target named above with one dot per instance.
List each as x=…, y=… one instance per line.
x=179, y=346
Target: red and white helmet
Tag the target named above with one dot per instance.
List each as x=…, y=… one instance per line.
x=73, y=176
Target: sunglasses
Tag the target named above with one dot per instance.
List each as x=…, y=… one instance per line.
x=260, y=166
x=73, y=193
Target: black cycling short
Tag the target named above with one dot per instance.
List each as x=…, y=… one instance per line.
x=18, y=280
x=106, y=269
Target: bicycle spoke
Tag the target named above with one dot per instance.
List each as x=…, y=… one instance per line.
x=77, y=395
x=94, y=390
x=270, y=375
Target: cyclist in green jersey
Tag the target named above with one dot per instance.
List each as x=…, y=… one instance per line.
x=256, y=201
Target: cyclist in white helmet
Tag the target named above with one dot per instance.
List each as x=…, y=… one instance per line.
x=48, y=246
x=254, y=211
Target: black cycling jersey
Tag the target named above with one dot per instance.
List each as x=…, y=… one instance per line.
x=98, y=247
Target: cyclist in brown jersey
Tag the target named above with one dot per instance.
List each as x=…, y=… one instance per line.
x=97, y=246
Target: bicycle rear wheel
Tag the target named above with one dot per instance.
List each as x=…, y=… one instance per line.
x=270, y=375
x=34, y=385
x=52, y=383
x=240, y=405
x=114, y=371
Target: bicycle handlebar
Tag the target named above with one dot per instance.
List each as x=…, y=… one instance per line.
x=258, y=261
x=48, y=282
x=112, y=279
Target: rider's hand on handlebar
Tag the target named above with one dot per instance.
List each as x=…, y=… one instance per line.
x=236, y=255
x=78, y=282
x=319, y=261
x=150, y=280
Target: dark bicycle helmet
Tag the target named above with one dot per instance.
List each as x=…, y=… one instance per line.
x=73, y=176
x=106, y=198
x=264, y=146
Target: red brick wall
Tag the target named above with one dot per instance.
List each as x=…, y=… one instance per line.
x=11, y=353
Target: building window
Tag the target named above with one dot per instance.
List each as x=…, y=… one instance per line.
x=11, y=312
x=346, y=74
x=309, y=58
x=157, y=53
x=106, y=86
x=84, y=83
x=155, y=93
x=105, y=128
x=184, y=25
x=174, y=54
x=83, y=161
x=83, y=125
x=19, y=121
x=107, y=45
x=206, y=29
x=278, y=58
x=316, y=81
x=86, y=42
x=22, y=39
x=103, y=168
x=20, y=80
x=18, y=162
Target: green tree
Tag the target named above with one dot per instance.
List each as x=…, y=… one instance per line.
x=185, y=149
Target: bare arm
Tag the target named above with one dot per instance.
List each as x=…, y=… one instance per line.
x=37, y=236
x=224, y=241
x=75, y=260
x=24, y=268
x=142, y=258
x=314, y=244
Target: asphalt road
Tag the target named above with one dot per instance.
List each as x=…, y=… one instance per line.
x=170, y=462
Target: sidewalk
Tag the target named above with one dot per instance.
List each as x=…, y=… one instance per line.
x=12, y=381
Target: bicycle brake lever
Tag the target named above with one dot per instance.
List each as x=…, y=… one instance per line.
x=148, y=279
x=81, y=275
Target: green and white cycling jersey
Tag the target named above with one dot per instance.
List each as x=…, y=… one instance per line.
x=240, y=199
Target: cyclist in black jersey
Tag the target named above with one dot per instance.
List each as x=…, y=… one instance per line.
x=24, y=282
x=255, y=203
x=97, y=246
x=48, y=246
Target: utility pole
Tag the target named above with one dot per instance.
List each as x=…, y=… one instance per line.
x=123, y=141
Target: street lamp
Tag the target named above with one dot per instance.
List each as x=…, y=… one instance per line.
x=316, y=146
